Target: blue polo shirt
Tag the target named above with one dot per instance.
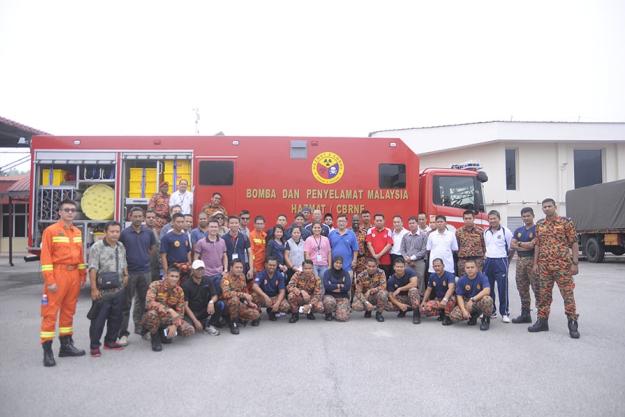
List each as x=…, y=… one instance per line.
x=270, y=285
x=237, y=245
x=440, y=285
x=471, y=287
x=197, y=234
x=344, y=245
x=395, y=282
x=138, y=246
x=176, y=246
x=525, y=235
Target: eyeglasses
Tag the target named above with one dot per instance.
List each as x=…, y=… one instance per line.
x=69, y=210
x=245, y=218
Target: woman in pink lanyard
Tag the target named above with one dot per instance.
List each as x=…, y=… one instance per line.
x=317, y=249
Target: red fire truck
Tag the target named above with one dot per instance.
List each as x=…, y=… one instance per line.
x=266, y=175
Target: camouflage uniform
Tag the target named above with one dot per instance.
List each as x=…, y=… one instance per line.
x=554, y=239
x=375, y=286
x=484, y=305
x=361, y=262
x=304, y=289
x=339, y=306
x=470, y=246
x=233, y=288
x=440, y=286
x=158, y=300
x=260, y=302
x=433, y=307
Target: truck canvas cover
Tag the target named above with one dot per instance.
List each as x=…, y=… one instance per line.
x=598, y=207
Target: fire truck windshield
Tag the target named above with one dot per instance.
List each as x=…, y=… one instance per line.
x=460, y=192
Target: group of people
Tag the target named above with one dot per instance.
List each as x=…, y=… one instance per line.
x=184, y=280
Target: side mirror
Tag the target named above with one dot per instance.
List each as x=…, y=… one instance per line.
x=481, y=176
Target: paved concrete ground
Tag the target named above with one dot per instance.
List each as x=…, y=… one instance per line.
x=361, y=368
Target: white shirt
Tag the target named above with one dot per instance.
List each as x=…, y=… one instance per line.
x=397, y=237
x=442, y=245
x=497, y=242
x=185, y=201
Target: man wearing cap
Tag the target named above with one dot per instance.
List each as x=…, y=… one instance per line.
x=214, y=205
x=160, y=204
x=202, y=306
x=182, y=197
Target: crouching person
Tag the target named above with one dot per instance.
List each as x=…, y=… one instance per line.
x=305, y=292
x=337, y=283
x=235, y=293
x=203, y=310
x=439, y=299
x=164, y=310
x=473, y=297
x=269, y=290
x=403, y=293
x=371, y=291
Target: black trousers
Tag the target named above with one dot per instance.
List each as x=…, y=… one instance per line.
x=109, y=313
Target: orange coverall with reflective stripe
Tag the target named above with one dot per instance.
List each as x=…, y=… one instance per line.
x=63, y=264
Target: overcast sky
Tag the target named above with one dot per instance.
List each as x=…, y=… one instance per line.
x=322, y=68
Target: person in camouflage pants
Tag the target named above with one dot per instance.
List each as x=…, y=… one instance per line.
x=403, y=293
x=371, y=291
x=164, y=305
x=235, y=292
x=439, y=299
x=269, y=290
x=304, y=290
x=473, y=297
x=338, y=284
x=470, y=243
x=523, y=242
x=556, y=261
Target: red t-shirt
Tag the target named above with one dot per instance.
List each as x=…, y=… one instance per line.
x=379, y=239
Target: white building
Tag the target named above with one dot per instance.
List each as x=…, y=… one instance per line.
x=525, y=161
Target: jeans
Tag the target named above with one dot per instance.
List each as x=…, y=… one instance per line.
x=207, y=320
x=320, y=271
x=136, y=289
x=110, y=313
x=496, y=269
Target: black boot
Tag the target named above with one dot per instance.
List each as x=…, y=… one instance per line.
x=328, y=316
x=573, y=329
x=447, y=321
x=234, y=327
x=156, y=343
x=378, y=316
x=441, y=315
x=68, y=348
x=48, y=355
x=256, y=322
x=416, y=316
x=294, y=318
x=368, y=314
x=310, y=316
x=472, y=320
x=164, y=339
x=401, y=314
x=525, y=317
x=541, y=325
x=485, y=322
x=271, y=314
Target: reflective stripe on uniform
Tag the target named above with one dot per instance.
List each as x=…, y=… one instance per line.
x=82, y=266
x=63, y=330
x=46, y=335
x=60, y=239
x=47, y=267
x=77, y=239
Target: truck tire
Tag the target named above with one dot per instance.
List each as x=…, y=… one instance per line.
x=594, y=250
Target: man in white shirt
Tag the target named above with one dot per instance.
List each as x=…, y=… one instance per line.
x=497, y=239
x=441, y=244
x=183, y=198
x=422, y=220
x=397, y=234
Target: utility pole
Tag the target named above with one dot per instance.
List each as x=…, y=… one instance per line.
x=196, y=110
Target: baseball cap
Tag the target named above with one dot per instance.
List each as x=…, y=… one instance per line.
x=197, y=264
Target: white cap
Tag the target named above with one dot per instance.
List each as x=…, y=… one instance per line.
x=197, y=264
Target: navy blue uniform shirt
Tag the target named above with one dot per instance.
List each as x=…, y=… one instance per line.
x=440, y=285
x=395, y=282
x=525, y=235
x=176, y=246
x=468, y=288
x=270, y=285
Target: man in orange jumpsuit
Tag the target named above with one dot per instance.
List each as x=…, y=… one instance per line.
x=64, y=272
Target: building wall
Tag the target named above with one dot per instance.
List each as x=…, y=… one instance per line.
x=543, y=170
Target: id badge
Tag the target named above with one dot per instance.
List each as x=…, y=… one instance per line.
x=319, y=257
x=235, y=256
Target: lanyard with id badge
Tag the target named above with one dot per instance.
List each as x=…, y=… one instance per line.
x=319, y=257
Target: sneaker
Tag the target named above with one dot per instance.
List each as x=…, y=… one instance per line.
x=280, y=314
x=123, y=341
x=95, y=352
x=505, y=319
x=211, y=330
x=494, y=315
x=113, y=346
